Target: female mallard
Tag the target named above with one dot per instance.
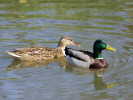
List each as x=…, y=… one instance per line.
x=40, y=52
x=88, y=59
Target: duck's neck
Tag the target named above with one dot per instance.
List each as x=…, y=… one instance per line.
x=97, y=54
x=61, y=44
x=62, y=47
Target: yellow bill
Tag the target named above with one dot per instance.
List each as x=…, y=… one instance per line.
x=110, y=48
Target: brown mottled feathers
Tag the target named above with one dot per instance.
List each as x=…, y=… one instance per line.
x=41, y=52
x=36, y=53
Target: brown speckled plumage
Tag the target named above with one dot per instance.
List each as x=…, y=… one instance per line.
x=41, y=52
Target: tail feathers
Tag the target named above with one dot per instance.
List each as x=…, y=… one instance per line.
x=12, y=54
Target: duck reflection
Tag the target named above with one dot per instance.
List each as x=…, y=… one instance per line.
x=98, y=73
x=99, y=84
x=19, y=64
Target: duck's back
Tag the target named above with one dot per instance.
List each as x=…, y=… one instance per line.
x=34, y=53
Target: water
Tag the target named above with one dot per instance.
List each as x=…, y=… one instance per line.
x=43, y=22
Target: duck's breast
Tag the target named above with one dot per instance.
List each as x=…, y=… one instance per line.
x=99, y=63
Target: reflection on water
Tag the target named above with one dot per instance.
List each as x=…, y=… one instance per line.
x=99, y=84
x=43, y=22
x=98, y=73
x=18, y=64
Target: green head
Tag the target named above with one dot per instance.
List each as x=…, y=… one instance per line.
x=100, y=45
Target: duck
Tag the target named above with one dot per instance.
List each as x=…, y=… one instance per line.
x=34, y=53
x=87, y=59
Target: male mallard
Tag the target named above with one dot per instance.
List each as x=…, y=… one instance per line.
x=88, y=59
x=41, y=52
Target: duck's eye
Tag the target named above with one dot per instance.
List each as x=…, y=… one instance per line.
x=102, y=43
x=70, y=39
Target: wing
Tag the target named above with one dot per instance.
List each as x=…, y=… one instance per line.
x=79, y=57
x=30, y=49
x=33, y=52
x=79, y=54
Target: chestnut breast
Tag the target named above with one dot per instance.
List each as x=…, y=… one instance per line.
x=99, y=63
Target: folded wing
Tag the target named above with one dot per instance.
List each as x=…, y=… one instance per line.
x=79, y=57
